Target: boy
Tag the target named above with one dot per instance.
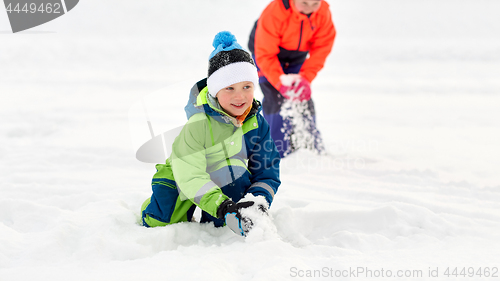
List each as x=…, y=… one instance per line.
x=224, y=151
x=290, y=43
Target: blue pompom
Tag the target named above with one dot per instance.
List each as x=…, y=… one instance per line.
x=224, y=38
x=224, y=41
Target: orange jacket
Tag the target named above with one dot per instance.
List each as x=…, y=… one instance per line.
x=282, y=34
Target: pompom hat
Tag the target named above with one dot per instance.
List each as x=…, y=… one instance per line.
x=229, y=64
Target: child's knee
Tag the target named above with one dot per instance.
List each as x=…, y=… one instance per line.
x=145, y=204
x=165, y=213
x=148, y=221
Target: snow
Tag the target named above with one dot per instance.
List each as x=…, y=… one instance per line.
x=407, y=105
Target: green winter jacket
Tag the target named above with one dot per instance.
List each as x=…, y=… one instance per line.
x=213, y=151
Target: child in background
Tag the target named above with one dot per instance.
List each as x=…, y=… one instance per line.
x=224, y=152
x=290, y=43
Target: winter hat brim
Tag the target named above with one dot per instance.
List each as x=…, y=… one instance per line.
x=231, y=74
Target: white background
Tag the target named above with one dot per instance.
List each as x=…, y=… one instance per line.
x=408, y=105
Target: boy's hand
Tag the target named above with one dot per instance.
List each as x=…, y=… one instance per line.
x=295, y=87
x=303, y=89
x=230, y=212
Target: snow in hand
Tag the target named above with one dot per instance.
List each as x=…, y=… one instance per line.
x=407, y=105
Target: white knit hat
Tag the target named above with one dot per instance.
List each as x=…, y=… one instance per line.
x=229, y=64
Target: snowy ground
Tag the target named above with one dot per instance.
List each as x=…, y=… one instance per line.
x=407, y=104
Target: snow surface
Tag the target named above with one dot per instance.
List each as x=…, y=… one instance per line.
x=408, y=106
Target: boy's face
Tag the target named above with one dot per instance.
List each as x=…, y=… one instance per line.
x=236, y=98
x=307, y=6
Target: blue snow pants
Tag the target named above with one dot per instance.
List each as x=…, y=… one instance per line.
x=165, y=206
x=271, y=105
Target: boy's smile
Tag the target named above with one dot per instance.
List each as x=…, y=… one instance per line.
x=236, y=98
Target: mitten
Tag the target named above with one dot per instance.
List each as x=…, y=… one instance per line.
x=285, y=91
x=230, y=213
x=303, y=89
x=287, y=85
x=295, y=87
